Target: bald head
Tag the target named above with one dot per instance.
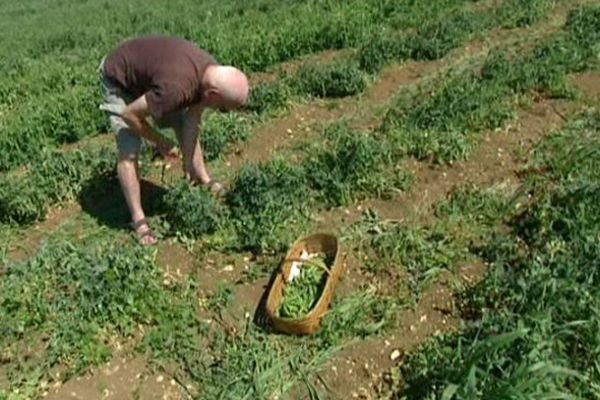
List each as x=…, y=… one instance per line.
x=228, y=87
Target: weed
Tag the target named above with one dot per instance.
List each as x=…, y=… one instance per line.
x=192, y=210
x=572, y=154
x=361, y=314
x=221, y=131
x=351, y=166
x=269, y=96
x=268, y=203
x=335, y=80
x=536, y=312
x=416, y=255
x=472, y=212
x=221, y=299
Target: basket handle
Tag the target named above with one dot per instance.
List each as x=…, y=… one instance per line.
x=296, y=259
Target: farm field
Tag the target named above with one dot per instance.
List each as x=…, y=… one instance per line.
x=452, y=145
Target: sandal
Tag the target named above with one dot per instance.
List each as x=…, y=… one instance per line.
x=146, y=238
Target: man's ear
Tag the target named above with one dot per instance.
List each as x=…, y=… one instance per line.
x=211, y=95
x=211, y=92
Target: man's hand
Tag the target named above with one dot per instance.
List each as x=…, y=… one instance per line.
x=169, y=153
x=167, y=150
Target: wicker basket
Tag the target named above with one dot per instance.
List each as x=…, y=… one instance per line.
x=308, y=324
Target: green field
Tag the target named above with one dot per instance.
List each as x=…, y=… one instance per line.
x=452, y=145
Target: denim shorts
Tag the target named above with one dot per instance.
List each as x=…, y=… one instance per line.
x=115, y=100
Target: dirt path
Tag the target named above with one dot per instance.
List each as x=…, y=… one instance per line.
x=120, y=379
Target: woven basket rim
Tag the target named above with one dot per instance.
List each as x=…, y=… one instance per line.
x=311, y=316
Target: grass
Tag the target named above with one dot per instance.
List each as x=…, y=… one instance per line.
x=529, y=327
x=532, y=320
x=373, y=171
x=472, y=213
x=410, y=258
x=444, y=123
x=51, y=177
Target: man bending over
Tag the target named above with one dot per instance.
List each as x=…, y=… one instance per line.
x=171, y=81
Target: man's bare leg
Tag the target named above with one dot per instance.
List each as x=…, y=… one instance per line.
x=127, y=171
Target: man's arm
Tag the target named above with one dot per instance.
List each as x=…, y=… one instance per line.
x=193, y=157
x=135, y=115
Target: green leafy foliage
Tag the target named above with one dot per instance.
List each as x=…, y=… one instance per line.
x=563, y=159
x=530, y=326
x=534, y=332
x=80, y=296
x=436, y=39
x=339, y=79
x=220, y=131
x=546, y=67
x=49, y=94
x=192, y=210
x=49, y=90
x=416, y=254
x=441, y=126
x=520, y=13
x=51, y=177
x=479, y=206
x=383, y=47
x=352, y=165
x=222, y=297
x=438, y=28
x=268, y=97
x=361, y=314
x=442, y=123
x=266, y=202
x=301, y=295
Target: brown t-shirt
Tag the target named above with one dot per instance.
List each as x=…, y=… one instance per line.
x=167, y=70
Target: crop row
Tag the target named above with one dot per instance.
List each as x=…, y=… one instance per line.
x=74, y=301
x=444, y=124
x=432, y=39
x=268, y=201
x=531, y=324
x=418, y=125
x=50, y=92
x=52, y=99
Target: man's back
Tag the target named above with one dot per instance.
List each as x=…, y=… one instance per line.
x=168, y=70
